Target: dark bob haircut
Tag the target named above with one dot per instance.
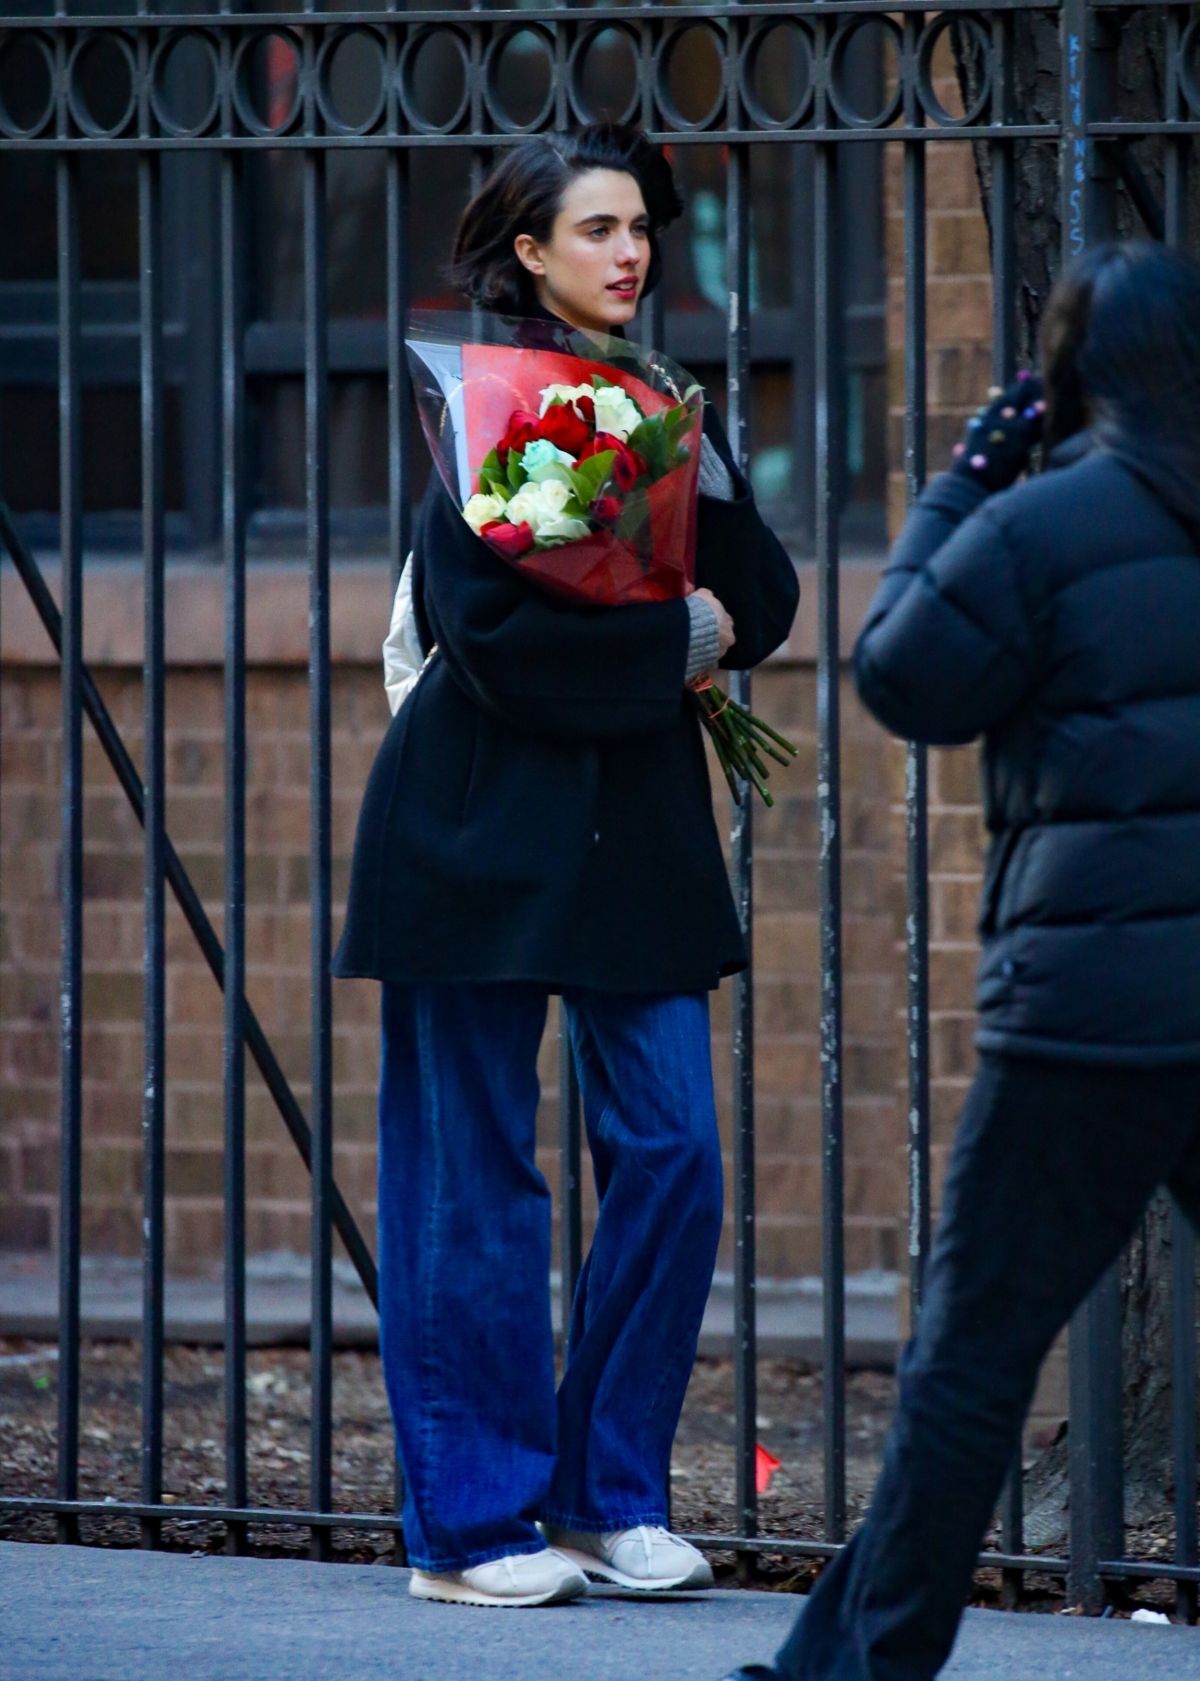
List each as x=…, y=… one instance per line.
x=1121, y=339
x=524, y=193
x=1121, y=357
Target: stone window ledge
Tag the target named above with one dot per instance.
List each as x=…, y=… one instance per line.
x=277, y=613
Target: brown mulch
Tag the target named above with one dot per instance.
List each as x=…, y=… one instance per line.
x=789, y=1425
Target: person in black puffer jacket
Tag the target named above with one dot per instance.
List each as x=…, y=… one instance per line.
x=1060, y=620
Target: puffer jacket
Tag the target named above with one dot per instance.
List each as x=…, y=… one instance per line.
x=1060, y=620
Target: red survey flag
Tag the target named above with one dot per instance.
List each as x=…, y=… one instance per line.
x=765, y=1467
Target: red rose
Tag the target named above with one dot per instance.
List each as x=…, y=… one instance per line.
x=562, y=427
x=587, y=409
x=597, y=446
x=522, y=429
x=512, y=541
x=607, y=509
x=628, y=466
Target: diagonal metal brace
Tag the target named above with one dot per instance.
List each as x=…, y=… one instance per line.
x=188, y=901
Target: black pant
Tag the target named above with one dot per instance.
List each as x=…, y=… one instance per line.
x=1053, y=1166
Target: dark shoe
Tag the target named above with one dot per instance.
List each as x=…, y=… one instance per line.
x=756, y=1672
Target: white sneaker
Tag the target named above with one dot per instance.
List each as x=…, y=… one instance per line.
x=648, y=1558
x=544, y=1578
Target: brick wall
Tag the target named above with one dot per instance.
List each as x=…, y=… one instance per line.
x=278, y=939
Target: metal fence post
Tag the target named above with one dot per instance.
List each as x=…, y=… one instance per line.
x=1095, y=1441
x=1089, y=215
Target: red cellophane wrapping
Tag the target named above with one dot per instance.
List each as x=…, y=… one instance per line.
x=464, y=424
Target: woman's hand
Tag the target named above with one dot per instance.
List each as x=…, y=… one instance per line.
x=1000, y=437
x=725, y=635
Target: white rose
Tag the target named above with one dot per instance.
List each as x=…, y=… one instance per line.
x=481, y=510
x=615, y=412
x=563, y=528
x=535, y=503
x=563, y=394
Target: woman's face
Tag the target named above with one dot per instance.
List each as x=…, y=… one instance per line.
x=591, y=270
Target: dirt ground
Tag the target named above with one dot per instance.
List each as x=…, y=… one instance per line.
x=789, y=1426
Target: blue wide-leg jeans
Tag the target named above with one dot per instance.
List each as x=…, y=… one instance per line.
x=486, y=1446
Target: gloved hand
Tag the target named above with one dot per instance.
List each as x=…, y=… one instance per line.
x=999, y=438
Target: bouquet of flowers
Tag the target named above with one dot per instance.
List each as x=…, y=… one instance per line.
x=575, y=456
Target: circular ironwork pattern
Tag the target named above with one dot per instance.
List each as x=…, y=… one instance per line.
x=931, y=36
x=350, y=79
x=124, y=62
x=341, y=41
x=1189, y=64
x=12, y=47
x=543, y=41
x=587, y=42
x=243, y=73
x=180, y=42
x=664, y=57
x=433, y=36
x=757, y=54
x=841, y=96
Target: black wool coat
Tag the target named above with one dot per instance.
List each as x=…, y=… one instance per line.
x=1061, y=621
x=540, y=808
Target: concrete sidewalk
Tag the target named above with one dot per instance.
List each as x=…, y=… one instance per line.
x=279, y=1301
x=86, y=1614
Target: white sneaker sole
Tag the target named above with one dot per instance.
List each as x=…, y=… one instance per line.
x=458, y=1593
x=699, y=1576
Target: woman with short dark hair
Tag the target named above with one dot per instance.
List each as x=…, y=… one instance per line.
x=1060, y=620
x=539, y=821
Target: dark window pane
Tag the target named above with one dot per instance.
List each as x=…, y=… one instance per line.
x=356, y=211
x=107, y=216
x=27, y=203
x=112, y=472
x=358, y=469
x=108, y=224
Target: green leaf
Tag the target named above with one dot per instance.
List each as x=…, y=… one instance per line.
x=651, y=442
x=516, y=472
x=493, y=481
x=590, y=476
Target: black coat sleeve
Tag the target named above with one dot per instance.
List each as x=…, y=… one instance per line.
x=740, y=559
x=539, y=664
x=947, y=649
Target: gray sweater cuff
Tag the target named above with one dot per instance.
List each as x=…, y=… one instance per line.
x=715, y=478
x=704, y=638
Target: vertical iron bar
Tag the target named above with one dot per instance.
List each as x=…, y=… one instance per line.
x=71, y=981
x=154, y=856
x=917, y=762
x=1177, y=146
x=1094, y=1441
x=1003, y=225
x=1183, y=1405
x=234, y=554
x=652, y=322
x=1003, y=234
x=316, y=431
x=1183, y=1238
x=829, y=437
x=1095, y=1337
x=396, y=168
x=570, y=1173
x=737, y=279
x=396, y=216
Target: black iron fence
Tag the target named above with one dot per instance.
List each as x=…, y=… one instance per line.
x=192, y=82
